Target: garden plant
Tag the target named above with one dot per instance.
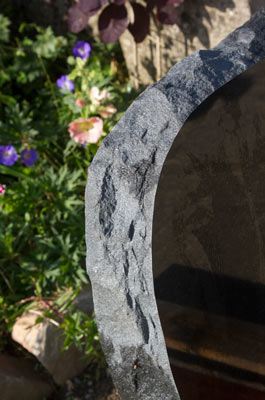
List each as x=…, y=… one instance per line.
x=139, y=17
x=59, y=97
x=119, y=15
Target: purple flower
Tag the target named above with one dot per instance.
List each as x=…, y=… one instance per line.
x=29, y=157
x=65, y=84
x=8, y=155
x=81, y=49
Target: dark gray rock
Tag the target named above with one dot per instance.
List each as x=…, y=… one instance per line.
x=208, y=241
x=120, y=195
x=210, y=206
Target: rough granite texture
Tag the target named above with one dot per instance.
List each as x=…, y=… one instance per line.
x=120, y=195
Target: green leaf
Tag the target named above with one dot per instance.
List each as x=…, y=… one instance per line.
x=4, y=28
x=13, y=172
x=71, y=60
x=39, y=320
x=8, y=100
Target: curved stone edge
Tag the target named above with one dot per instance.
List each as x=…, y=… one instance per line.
x=120, y=195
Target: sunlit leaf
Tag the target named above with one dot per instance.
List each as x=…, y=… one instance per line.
x=76, y=19
x=88, y=6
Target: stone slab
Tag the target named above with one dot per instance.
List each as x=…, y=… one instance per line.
x=120, y=195
x=209, y=232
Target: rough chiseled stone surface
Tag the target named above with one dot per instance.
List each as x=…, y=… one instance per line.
x=120, y=195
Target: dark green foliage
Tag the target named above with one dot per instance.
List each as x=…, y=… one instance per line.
x=42, y=243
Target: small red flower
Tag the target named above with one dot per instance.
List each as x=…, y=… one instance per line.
x=80, y=102
x=2, y=189
x=108, y=111
x=96, y=95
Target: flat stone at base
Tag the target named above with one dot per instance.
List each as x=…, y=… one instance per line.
x=44, y=341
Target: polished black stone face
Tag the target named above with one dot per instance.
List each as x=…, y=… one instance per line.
x=209, y=229
x=192, y=235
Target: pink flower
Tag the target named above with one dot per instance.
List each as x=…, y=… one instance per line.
x=86, y=130
x=80, y=102
x=2, y=189
x=108, y=111
x=96, y=95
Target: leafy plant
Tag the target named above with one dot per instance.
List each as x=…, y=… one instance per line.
x=4, y=28
x=46, y=145
x=120, y=15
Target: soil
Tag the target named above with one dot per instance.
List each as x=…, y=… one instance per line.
x=90, y=385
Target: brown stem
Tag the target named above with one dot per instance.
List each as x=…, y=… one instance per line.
x=7, y=281
x=136, y=66
x=158, y=56
x=158, y=47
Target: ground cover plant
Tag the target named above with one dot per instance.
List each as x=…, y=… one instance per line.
x=59, y=97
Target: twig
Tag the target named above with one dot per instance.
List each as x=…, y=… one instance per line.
x=53, y=308
x=158, y=56
x=7, y=281
x=136, y=64
x=158, y=47
x=186, y=47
